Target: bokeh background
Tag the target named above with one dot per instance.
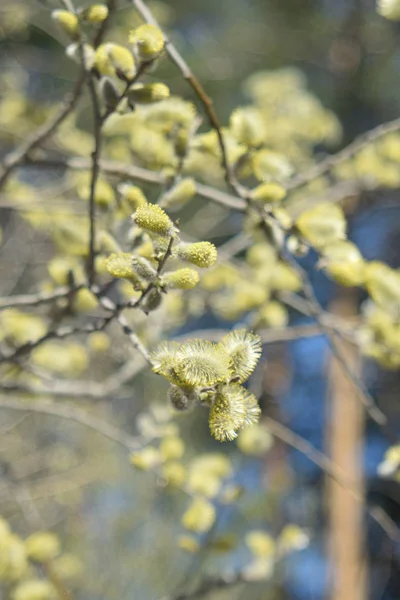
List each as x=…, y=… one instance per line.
x=120, y=522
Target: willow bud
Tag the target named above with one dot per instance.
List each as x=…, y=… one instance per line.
x=85, y=300
x=42, y=546
x=96, y=13
x=179, y=399
x=143, y=268
x=132, y=195
x=109, y=93
x=149, y=41
x=343, y=262
x=268, y=192
x=383, y=285
x=296, y=246
x=119, y=265
x=273, y=314
x=181, y=279
x=172, y=447
x=201, y=254
x=67, y=22
x=148, y=93
x=200, y=516
x=146, y=459
x=73, y=51
x=268, y=165
x=154, y=219
x=390, y=9
x=152, y=300
x=180, y=193
x=113, y=59
x=34, y=589
x=322, y=225
x=181, y=142
x=248, y=126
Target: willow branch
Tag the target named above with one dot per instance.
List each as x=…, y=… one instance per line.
x=322, y=461
x=37, y=299
x=330, y=162
x=316, y=311
x=76, y=415
x=137, y=174
x=210, y=585
x=198, y=89
x=18, y=156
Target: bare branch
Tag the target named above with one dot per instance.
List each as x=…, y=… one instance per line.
x=330, y=162
x=37, y=299
x=210, y=585
x=137, y=173
x=76, y=415
x=18, y=156
x=332, y=470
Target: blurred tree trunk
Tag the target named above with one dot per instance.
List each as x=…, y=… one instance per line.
x=346, y=536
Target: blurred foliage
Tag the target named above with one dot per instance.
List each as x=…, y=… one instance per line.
x=287, y=79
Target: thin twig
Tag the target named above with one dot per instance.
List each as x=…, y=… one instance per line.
x=37, y=299
x=18, y=156
x=330, y=162
x=97, y=123
x=76, y=415
x=210, y=584
x=198, y=89
x=365, y=398
x=134, y=172
x=317, y=457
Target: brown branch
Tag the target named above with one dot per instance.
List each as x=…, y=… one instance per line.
x=199, y=91
x=97, y=124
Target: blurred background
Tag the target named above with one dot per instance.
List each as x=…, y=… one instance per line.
x=121, y=523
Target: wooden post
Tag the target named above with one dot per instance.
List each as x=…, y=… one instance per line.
x=345, y=429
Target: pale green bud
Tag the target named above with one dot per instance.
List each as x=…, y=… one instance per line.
x=273, y=314
x=383, y=285
x=154, y=219
x=201, y=254
x=181, y=279
x=248, y=126
x=322, y=225
x=148, y=93
x=34, y=589
x=152, y=300
x=149, y=41
x=96, y=13
x=67, y=22
x=268, y=192
x=143, y=268
x=180, y=193
x=390, y=9
x=114, y=59
x=42, y=546
x=200, y=516
x=73, y=51
x=109, y=93
x=344, y=263
x=132, y=195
